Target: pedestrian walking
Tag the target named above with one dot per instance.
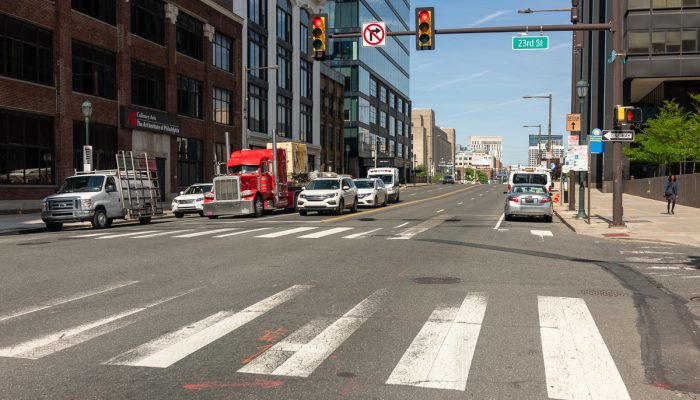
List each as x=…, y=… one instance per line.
x=671, y=193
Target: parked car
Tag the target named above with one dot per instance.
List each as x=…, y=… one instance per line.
x=448, y=179
x=334, y=193
x=390, y=177
x=528, y=200
x=531, y=176
x=191, y=200
x=371, y=192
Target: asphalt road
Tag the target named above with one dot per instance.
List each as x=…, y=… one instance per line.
x=433, y=298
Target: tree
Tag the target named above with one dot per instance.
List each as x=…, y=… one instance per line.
x=481, y=177
x=421, y=171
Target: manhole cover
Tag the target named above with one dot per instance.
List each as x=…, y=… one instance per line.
x=437, y=280
x=345, y=374
x=602, y=292
x=31, y=243
x=696, y=298
x=367, y=219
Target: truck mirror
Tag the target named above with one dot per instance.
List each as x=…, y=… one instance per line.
x=110, y=188
x=346, y=187
x=181, y=193
x=303, y=188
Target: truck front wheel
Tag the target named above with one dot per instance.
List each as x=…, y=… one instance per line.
x=144, y=220
x=54, y=226
x=259, y=208
x=99, y=220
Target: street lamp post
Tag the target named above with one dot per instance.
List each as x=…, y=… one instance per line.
x=539, y=141
x=549, y=124
x=347, y=158
x=582, y=92
x=87, y=112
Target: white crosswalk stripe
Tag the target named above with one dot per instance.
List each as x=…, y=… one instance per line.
x=211, y=232
x=286, y=232
x=361, y=235
x=420, y=228
x=173, y=347
x=160, y=234
x=441, y=354
x=241, y=232
x=576, y=361
x=120, y=235
x=321, y=234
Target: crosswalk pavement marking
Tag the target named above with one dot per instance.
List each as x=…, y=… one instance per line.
x=309, y=354
x=90, y=235
x=168, y=349
x=287, y=232
x=160, y=234
x=61, y=340
x=63, y=300
x=119, y=235
x=441, y=354
x=321, y=234
x=241, y=232
x=541, y=234
x=420, y=228
x=361, y=235
x=210, y=232
x=576, y=360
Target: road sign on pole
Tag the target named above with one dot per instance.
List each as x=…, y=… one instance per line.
x=618, y=136
x=573, y=122
x=373, y=34
x=596, y=144
x=530, y=42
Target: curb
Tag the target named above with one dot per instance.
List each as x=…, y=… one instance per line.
x=567, y=223
x=25, y=231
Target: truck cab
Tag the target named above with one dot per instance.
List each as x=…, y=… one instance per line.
x=390, y=177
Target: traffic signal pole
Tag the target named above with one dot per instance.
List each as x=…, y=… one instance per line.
x=617, y=100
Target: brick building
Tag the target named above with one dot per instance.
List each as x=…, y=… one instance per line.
x=332, y=121
x=162, y=77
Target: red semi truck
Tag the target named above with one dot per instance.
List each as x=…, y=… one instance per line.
x=252, y=184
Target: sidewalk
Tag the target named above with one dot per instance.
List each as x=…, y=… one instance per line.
x=644, y=219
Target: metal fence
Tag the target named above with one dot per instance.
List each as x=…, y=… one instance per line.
x=653, y=188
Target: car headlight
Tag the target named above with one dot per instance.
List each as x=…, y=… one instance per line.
x=246, y=193
x=302, y=196
x=363, y=195
x=86, y=204
x=44, y=205
x=173, y=204
x=199, y=199
x=331, y=195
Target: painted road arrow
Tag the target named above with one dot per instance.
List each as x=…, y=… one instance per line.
x=618, y=136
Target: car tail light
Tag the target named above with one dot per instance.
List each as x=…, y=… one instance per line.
x=550, y=189
x=208, y=197
x=546, y=200
x=509, y=187
x=514, y=199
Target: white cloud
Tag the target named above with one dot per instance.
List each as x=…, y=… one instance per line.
x=490, y=17
x=458, y=80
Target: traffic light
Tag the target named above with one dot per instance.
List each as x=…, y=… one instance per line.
x=626, y=116
x=425, y=28
x=319, y=36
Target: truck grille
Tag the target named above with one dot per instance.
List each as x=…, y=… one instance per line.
x=64, y=204
x=226, y=189
x=185, y=201
x=315, y=198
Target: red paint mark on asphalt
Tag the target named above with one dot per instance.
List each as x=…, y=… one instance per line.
x=259, y=383
x=403, y=273
x=261, y=349
x=273, y=335
x=348, y=386
x=676, y=386
x=615, y=235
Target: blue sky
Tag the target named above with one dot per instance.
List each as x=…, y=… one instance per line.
x=475, y=82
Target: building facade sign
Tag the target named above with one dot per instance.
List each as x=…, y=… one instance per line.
x=150, y=121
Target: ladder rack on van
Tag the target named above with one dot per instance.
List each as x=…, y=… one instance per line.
x=139, y=176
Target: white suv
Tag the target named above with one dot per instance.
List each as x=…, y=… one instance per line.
x=328, y=194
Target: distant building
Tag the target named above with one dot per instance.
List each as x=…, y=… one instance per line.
x=432, y=146
x=492, y=145
x=532, y=151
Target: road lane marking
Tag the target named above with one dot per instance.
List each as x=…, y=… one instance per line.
x=646, y=252
x=211, y=232
x=286, y=232
x=399, y=226
x=170, y=348
x=500, y=220
x=45, y=345
x=460, y=203
x=361, y=235
x=472, y=198
x=90, y=235
x=691, y=277
x=441, y=354
x=440, y=210
x=241, y=232
x=309, y=353
x=63, y=300
x=577, y=362
x=413, y=194
x=125, y=234
x=321, y=234
x=160, y=234
x=541, y=234
x=420, y=228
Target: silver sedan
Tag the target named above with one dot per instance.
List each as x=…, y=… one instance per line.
x=528, y=200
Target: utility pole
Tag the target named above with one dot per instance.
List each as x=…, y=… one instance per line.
x=617, y=100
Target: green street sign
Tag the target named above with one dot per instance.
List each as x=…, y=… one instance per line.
x=530, y=42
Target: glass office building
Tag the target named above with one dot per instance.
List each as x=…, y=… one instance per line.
x=377, y=102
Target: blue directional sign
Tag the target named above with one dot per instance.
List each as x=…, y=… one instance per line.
x=596, y=143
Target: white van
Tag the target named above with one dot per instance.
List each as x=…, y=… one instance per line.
x=531, y=176
x=390, y=177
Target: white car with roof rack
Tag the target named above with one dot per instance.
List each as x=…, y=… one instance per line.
x=328, y=192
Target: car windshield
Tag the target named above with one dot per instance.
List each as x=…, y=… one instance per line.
x=530, y=189
x=324, y=184
x=81, y=184
x=387, y=179
x=198, y=189
x=244, y=169
x=364, y=184
x=537, y=179
x=448, y=177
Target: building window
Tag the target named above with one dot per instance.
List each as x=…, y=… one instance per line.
x=305, y=134
x=188, y=36
x=284, y=116
x=638, y=42
x=372, y=114
x=147, y=85
x=399, y=150
x=373, y=88
x=147, y=19
x=689, y=40
x=257, y=108
x=25, y=51
x=304, y=31
x=26, y=149
x=222, y=48
x=382, y=119
x=284, y=21
x=257, y=12
x=306, y=79
x=344, y=49
x=222, y=106
x=103, y=10
x=399, y=128
x=103, y=139
x=189, y=161
x=382, y=94
x=94, y=71
x=392, y=100
x=392, y=126
x=221, y=155
x=346, y=14
x=189, y=97
x=257, y=55
x=284, y=72
x=392, y=148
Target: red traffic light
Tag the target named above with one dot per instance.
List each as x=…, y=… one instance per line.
x=424, y=16
x=630, y=115
x=318, y=22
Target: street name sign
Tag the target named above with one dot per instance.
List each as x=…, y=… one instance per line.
x=573, y=122
x=373, y=34
x=530, y=42
x=618, y=136
x=596, y=145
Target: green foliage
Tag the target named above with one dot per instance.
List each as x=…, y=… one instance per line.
x=469, y=174
x=437, y=178
x=421, y=171
x=481, y=177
